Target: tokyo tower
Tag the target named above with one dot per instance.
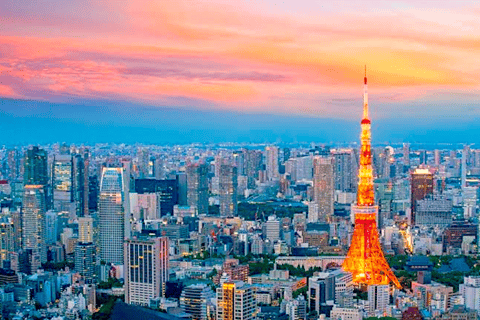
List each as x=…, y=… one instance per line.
x=365, y=259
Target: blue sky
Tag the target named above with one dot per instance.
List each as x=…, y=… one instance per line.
x=30, y=122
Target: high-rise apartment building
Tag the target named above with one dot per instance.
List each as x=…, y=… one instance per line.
x=85, y=229
x=195, y=301
x=422, y=186
x=437, y=155
x=378, y=299
x=465, y=155
x=146, y=269
x=13, y=165
x=35, y=167
x=111, y=215
x=323, y=186
x=197, y=187
x=235, y=301
x=228, y=190
x=143, y=160
x=253, y=161
x=7, y=239
x=406, y=154
x=85, y=260
x=34, y=225
x=80, y=184
x=271, y=162
x=345, y=177
x=85, y=249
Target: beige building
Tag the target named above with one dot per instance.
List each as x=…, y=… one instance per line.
x=146, y=269
x=323, y=187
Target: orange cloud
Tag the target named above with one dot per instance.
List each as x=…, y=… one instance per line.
x=7, y=92
x=242, y=56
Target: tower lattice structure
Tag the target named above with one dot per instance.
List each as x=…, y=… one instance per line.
x=365, y=259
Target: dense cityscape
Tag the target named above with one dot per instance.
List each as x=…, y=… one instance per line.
x=240, y=231
x=218, y=160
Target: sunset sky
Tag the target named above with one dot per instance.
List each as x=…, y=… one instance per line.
x=76, y=61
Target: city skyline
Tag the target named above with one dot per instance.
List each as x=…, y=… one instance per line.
x=211, y=160
x=72, y=67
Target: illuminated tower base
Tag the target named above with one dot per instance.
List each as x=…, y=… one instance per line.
x=365, y=258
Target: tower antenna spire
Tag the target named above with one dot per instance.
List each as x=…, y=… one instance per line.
x=365, y=96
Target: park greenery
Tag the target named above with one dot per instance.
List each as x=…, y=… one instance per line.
x=452, y=278
x=107, y=303
x=52, y=266
x=247, y=210
x=110, y=283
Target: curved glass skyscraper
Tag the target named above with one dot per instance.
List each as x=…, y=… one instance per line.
x=111, y=215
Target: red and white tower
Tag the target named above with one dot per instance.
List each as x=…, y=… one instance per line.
x=365, y=259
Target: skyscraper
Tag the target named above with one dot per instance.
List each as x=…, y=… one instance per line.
x=7, y=238
x=62, y=181
x=422, y=185
x=228, y=190
x=111, y=215
x=34, y=225
x=465, y=154
x=13, y=163
x=85, y=249
x=365, y=259
x=253, y=161
x=271, y=162
x=323, y=186
x=79, y=181
x=85, y=260
x=235, y=301
x=143, y=157
x=36, y=172
x=197, y=187
x=146, y=269
x=344, y=171
x=406, y=154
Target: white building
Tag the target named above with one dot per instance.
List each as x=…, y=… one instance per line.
x=470, y=291
x=346, y=314
x=296, y=309
x=146, y=269
x=271, y=160
x=272, y=229
x=378, y=299
x=144, y=206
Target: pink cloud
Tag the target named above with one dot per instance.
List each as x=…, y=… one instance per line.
x=242, y=56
